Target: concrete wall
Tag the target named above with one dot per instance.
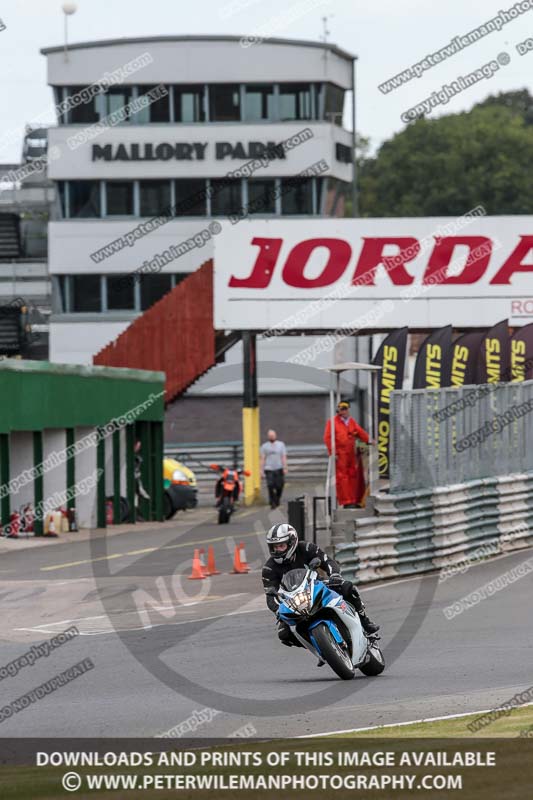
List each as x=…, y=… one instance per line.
x=123, y=480
x=77, y=342
x=71, y=243
x=54, y=479
x=86, y=468
x=296, y=419
x=200, y=60
x=21, y=459
x=76, y=162
x=27, y=279
x=272, y=355
x=108, y=444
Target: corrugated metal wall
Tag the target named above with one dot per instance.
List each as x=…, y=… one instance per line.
x=175, y=335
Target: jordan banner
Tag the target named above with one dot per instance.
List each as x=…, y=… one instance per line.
x=494, y=355
x=391, y=358
x=434, y=361
x=522, y=354
x=464, y=359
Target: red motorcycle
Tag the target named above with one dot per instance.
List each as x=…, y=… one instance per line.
x=227, y=491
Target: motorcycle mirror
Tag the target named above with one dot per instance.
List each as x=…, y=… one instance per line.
x=314, y=563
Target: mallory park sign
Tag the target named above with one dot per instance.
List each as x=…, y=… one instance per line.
x=186, y=151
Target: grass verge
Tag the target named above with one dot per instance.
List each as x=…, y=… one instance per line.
x=513, y=722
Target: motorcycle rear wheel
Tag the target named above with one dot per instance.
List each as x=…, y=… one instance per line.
x=375, y=663
x=333, y=653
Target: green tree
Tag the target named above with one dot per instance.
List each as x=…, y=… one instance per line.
x=446, y=166
x=521, y=102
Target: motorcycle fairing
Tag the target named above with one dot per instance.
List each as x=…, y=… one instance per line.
x=326, y=598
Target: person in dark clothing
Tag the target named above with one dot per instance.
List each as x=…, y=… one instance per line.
x=287, y=553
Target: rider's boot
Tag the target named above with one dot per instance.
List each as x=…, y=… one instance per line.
x=368, y=625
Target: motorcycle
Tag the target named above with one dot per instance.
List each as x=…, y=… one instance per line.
x=327, y=625
x=229, y=487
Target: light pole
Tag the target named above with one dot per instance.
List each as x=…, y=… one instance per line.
x=68, y=10
x=355, y=197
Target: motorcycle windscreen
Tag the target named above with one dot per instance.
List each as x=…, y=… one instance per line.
x=293, y=579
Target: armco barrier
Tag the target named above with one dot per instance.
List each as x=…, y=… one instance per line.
x=424, y=530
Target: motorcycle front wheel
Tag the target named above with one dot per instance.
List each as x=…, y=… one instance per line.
x=224, y=512
x=334, y=653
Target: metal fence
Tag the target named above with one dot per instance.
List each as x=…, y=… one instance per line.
x=448, y=436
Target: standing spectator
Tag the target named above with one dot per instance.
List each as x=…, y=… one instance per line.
x=350, y=480
x=274, y=467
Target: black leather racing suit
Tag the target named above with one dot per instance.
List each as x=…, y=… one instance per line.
x=305, y=552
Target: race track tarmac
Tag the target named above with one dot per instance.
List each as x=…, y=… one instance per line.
x=165, y=649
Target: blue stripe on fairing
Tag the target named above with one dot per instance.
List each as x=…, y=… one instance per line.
x=328, y=594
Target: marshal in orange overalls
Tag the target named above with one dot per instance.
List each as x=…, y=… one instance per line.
x=349, y=469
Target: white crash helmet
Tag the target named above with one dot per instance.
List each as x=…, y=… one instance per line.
x=281, y=534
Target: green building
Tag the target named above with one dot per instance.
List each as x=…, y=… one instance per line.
x=67, y=439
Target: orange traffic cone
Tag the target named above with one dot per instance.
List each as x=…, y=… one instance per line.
x=240, y=564
x=211, y=566
x=202, y=561
x=198, y=572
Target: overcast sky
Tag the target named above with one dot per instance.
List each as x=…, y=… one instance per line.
x=386, y=35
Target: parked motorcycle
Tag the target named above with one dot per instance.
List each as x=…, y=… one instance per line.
x=229, y=488
x=327, y=625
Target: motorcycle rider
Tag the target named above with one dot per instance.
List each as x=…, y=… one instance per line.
x=224, y=472
x=287, y=553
